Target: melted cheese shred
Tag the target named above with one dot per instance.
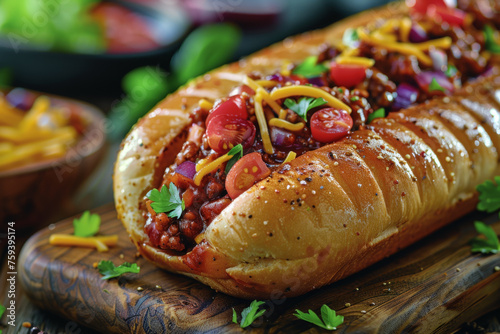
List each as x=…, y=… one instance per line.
x=404, y=29
x=100, y=243
x=210, y=167
x=367, y=62
x=404, y=48
x=205, y=104
x=261, y=120
x=265, y=95
x=300, y=90
x=291, y=155
x=281, y=123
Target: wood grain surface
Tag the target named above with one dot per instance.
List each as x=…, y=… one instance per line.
x=433, y=286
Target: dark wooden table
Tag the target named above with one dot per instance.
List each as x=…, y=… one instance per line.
x=42, y=318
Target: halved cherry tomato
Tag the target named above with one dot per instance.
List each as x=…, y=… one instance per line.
x=453, y=16
x=420, y=6
x=245, y=172
x=224, y=132
x=234, y=106
x=242, y=89
x=347, y=75
x=330, y=124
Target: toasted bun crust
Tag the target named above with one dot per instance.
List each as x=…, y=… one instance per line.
x=332, y=211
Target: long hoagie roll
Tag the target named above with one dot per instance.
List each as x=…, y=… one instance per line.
x=337, y=207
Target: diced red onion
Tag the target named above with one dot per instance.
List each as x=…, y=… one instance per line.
x=21, y=98
x=406, y=96
x=439, y=60
x=424, y=79
x=276, y=77
x=318, y=81
x=187, y=168
x=417, y=34
x=281, y=137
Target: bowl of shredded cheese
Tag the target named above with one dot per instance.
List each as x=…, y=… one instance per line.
x=48, y=146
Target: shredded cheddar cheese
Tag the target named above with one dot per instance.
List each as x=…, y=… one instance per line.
x=300, y=90
x=404, y=48
x=210, y=167
x=384, y=37
x=291, y=155
x=201, y=163
x=355, y=61
x=285, y=68
x=100, y=243
x=349, y=52
x=404, y=29
x=205, y=104
x=264, y=94
x=261, y=120
x=281, y=123
x=265, y=83
x=442, y=43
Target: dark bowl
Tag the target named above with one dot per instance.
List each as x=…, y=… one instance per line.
x=98, y=74
x=30, y=195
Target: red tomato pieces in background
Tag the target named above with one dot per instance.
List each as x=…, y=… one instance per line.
x=420, y=6
x=235, y=106
x=330, y=124
x=125, y=31
x=453, y=16
x=245, y=172
x=224, y=132
x=347, y=75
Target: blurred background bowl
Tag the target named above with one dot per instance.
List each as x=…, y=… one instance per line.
x=40, y=67
x=34, y=194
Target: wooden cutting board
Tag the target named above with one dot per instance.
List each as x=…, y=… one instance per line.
x=433, y=286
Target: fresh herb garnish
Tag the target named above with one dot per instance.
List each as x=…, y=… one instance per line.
x=304, y=105
x=488, y=245
x=330, y=319
x=249, y=314
x=435, y=86
x=489, y=201
x=87, y=225
x=379, y=113
x=451, y=71
x=2, y=310
x=310, y=68
x=237, y=153
x=167, y=201
x=350, y=38
x=489, y=195
x=109, y=270
x=354, y=98
x=490, y=42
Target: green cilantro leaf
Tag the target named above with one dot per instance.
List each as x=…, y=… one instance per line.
x=330, y=319
x=435, y=86
x=2, y=310
x=451, y=71
x=310, y=68
x=87, y=225
x=489, y=195
x=488, y=245
x=304, y=105
x=490, y=42
x=249, y=314
x=354, y=98
x=379, y=113
x=350, y=38
x=109, y=270
x=237, y=154
x=168, y=201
